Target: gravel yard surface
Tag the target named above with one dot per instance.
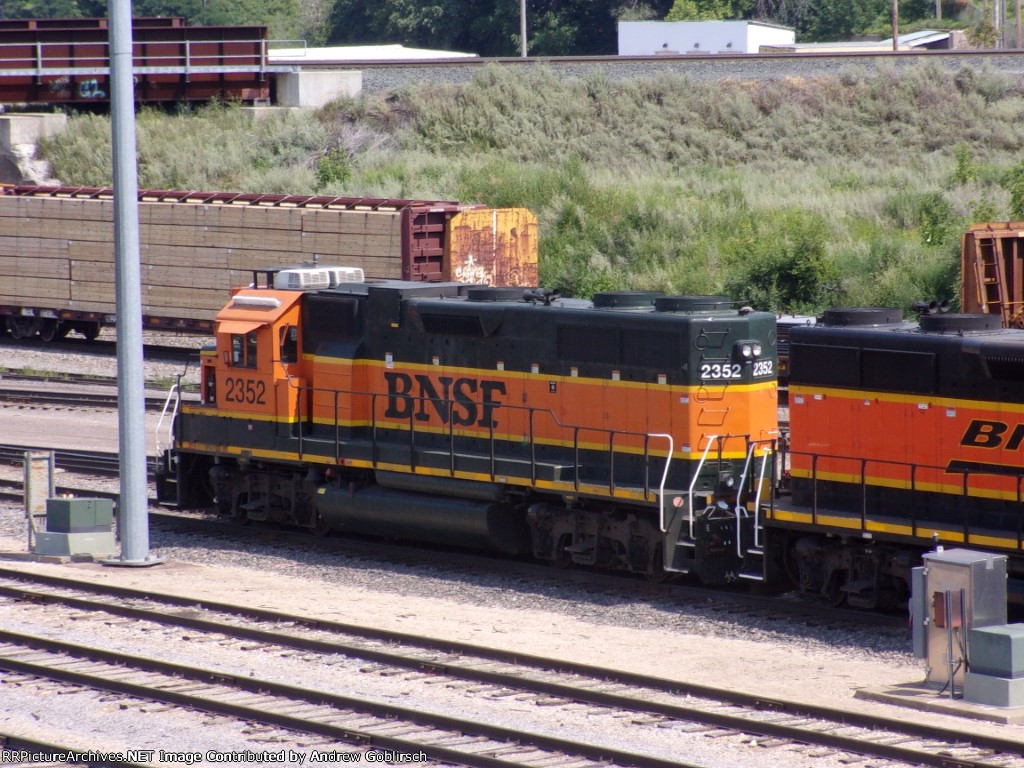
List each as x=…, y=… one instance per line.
x=775, y=657
x=779, y=658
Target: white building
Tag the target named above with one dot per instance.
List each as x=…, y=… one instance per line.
x=343, y=54
x=647, y=38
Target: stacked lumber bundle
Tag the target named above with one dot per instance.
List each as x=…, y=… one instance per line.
x=58, y=253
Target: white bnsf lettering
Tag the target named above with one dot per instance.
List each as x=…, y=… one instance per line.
x=721, y=370
x=764, y=367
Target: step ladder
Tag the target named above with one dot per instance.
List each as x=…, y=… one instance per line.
x=751, y=552
x=680, y=544
x=988, y=270
x=165, y=461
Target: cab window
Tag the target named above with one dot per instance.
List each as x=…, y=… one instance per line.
x=289, y=344
x=243, y=350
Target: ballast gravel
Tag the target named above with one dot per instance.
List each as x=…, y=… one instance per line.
x=690, y=642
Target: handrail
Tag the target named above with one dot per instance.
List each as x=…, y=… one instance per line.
x=174, y=394
x=696, y=476
x=913, y=468
x=664, y=476
x=739, y=510
x=530, y=412
x=41, y=61
x=757, y=498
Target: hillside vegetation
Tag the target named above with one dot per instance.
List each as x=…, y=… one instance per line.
x=791, y=195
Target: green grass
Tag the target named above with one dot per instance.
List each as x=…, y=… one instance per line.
x=792, y=195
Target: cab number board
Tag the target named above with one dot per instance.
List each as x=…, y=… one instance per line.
x=721, y=370
x=249, y=391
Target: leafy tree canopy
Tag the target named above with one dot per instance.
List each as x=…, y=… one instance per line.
x=282, y=17
x=490, y=27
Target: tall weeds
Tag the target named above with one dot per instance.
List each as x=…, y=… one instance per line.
x=790, y=194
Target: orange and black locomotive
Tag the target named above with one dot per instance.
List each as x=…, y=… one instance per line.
x=902, y=436
x=631, y=432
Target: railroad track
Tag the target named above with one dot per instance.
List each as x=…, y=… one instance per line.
x=579, y=690
x=20, y=751
x=100, y=463
x=106, y=465
x=64, y=391
x=161, y=352
x=48, y=400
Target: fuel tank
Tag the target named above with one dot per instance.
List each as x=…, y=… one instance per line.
x=400, y=514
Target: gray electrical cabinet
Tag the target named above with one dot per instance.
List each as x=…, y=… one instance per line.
x=956, y=590
x=77, y=527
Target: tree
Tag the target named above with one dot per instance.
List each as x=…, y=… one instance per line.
x=488, y=27
x=190, y=9
x=41, y=9
x=707, y=10
x=422, y=24
x=842, y=19
x=984, y=33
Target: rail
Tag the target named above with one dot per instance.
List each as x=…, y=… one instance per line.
x=447, y=404
x=911, y=482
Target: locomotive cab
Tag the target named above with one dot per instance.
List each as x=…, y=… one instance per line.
x=256, y=368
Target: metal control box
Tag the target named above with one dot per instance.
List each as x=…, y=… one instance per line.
x=955, y=591
x=79, y=515
x=998, y=651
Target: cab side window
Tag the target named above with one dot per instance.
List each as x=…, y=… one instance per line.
x=289, y=344
x=243, y=350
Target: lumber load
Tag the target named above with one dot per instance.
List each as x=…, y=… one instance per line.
x=57, y=246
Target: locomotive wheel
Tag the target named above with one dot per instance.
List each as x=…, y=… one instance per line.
x=562, y=560
x=658, y=574
x=833, y=594
x=320, y=527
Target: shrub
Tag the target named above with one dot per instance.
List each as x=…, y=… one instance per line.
x=784, y=192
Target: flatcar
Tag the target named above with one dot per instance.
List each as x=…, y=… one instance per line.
x=633, y=431
x=57, y=250
x=902, y=436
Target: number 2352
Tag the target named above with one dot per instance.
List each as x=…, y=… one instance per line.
x=245, y=391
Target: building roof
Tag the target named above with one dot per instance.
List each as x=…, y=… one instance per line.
x=923, y=37
x=358, y=53
x=906, y=42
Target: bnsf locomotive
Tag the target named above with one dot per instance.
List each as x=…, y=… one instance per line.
x=902, y=435
x=636, y=431
x=632, y=432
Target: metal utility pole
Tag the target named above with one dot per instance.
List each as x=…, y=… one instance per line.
x=938, y=9
x=133, y=507
x=522, y=28
x=997, y=21
x=895, y=25
x=1020, y=32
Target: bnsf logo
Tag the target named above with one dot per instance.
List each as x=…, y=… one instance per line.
x=992, y=434
x=464, y=401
